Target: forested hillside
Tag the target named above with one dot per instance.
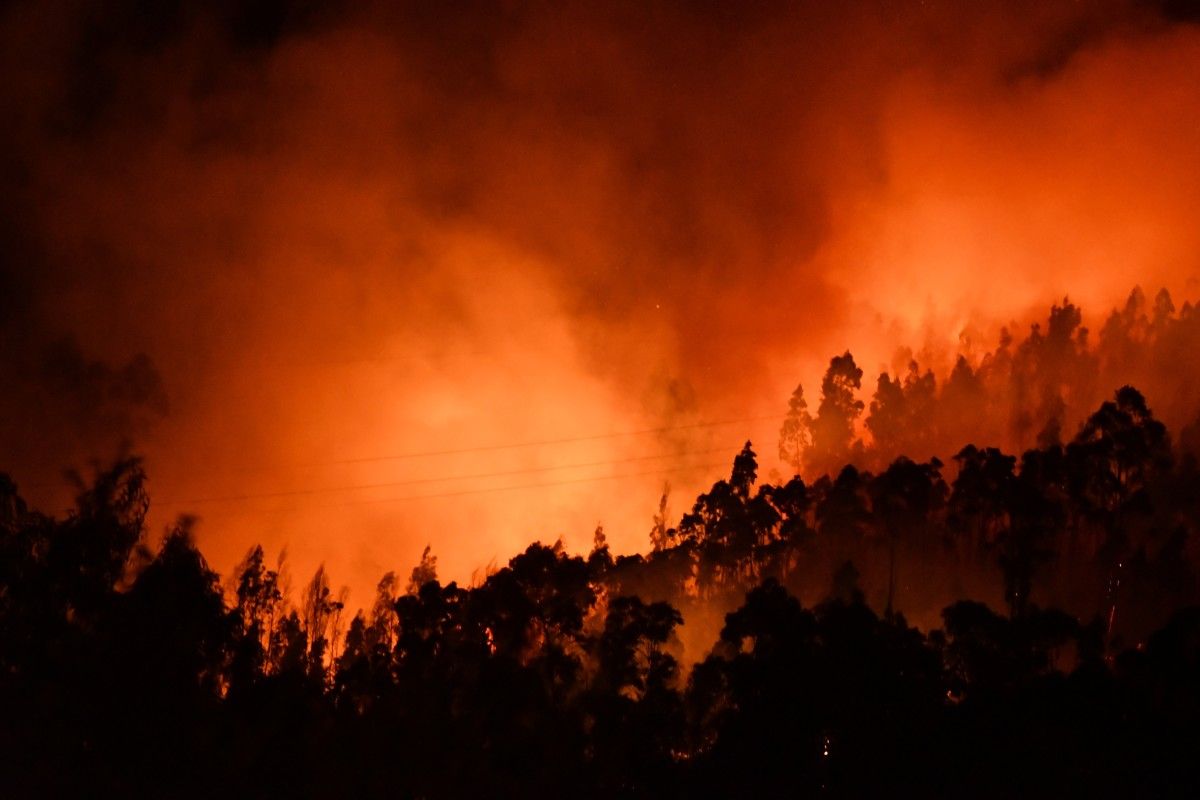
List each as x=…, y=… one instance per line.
x=130, y=672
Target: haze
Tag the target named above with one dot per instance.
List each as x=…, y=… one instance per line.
x=274, y=252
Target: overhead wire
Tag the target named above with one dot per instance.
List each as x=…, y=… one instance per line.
x=314, y=491
x=490, y=489
x=439, y=479
x=548, y=442
x=494, y=489
x=486, y=448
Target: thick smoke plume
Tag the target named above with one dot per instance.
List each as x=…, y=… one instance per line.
x=268, y=248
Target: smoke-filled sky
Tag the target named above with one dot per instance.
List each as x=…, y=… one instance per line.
x=272, y=249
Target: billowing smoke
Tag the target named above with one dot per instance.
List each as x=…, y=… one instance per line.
x=275, y=249
x=1035, y=391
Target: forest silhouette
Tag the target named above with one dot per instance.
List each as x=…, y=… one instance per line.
x=351, y=277
x=127, y=672
x=761, y=647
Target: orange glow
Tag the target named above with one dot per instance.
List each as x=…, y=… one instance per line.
x=355, y=245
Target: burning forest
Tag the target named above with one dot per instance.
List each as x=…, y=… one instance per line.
x=999, y=625
x=600, y=399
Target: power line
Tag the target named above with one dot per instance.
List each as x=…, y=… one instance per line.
x=493, y=489
x=416, y=481
x=461, y=451
x=539, y=485
x=545, y=442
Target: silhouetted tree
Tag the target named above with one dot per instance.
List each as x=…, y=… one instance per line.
x=833, y=442
x=258, y=602
x=902, y=414
x=903, y=497
x=424, y=572
x=660, y=534
x=796, y=434
x=125, y=670
x=842, y=510
x=982, y=493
